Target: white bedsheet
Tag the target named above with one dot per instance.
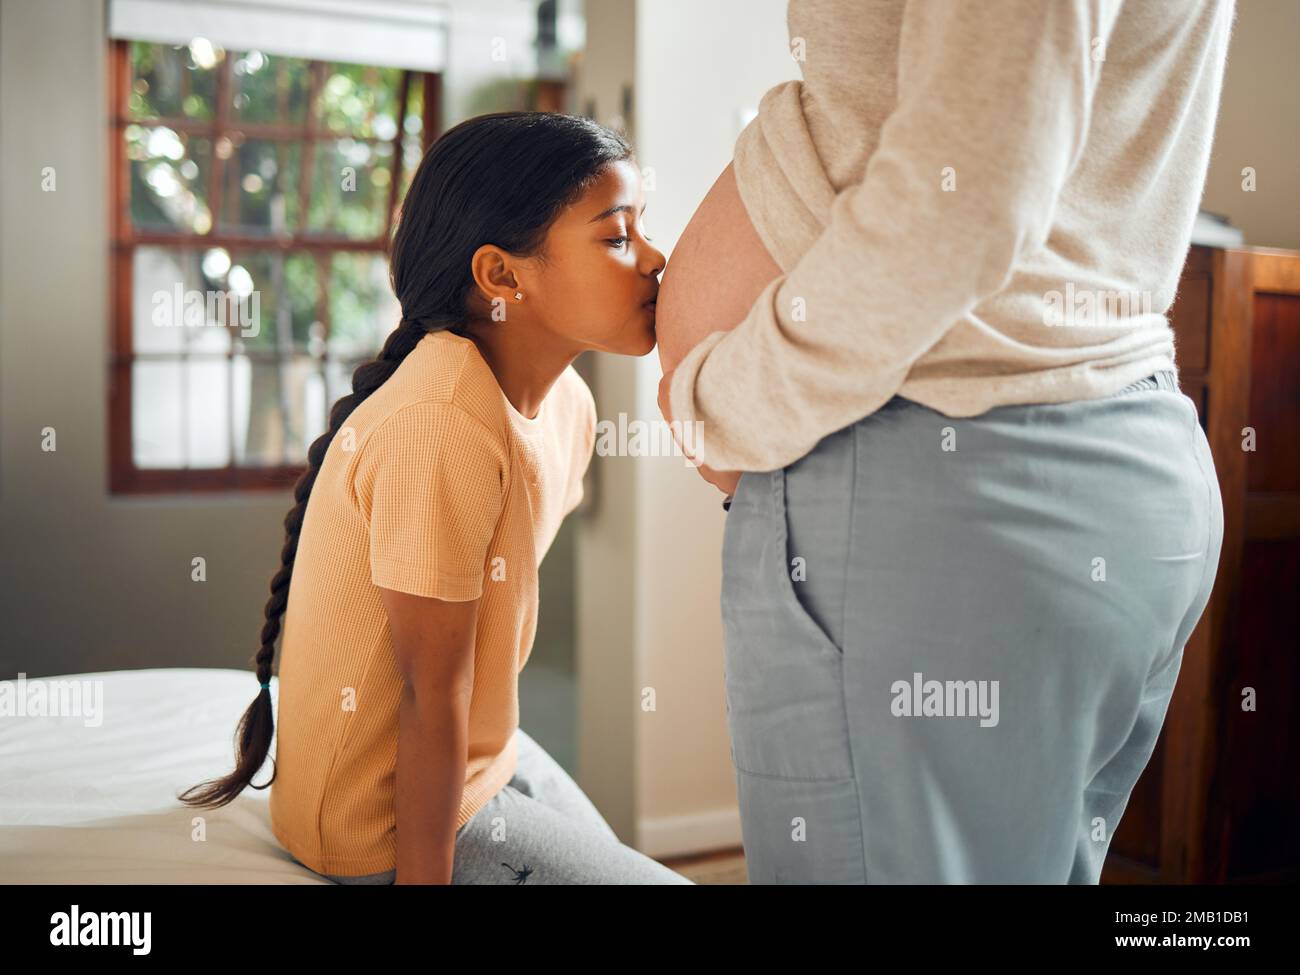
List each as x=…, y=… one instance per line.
x=85, y=804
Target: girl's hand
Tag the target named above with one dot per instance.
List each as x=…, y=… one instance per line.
x=724, y=481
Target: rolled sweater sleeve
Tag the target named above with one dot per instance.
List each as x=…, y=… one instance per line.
x=992, y=114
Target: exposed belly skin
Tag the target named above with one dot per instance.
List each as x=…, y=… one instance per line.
x=715, y=272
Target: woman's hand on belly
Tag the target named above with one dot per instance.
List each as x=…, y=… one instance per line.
x=724, y=481
x=719, y=266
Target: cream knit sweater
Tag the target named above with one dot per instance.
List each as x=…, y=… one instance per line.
x=974, y=204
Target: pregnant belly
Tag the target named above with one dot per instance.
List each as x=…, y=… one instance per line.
x=717, y=269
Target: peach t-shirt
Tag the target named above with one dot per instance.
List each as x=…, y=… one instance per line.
x=437, y=486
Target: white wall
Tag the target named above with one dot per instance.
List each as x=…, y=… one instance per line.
x=701, y=70
x=1258, y=118
x=605, y=600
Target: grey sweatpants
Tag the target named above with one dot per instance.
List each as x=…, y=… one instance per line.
x=541, y=829
x=950, y=643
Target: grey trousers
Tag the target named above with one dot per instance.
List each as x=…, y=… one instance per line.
x=541, y=829
x=950, y=643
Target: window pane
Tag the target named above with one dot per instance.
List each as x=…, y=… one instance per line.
x=412, y=129
x=197, y=300
x=261, y=185
x=302, y=281
x=269, y=88
x=360, y=100
x=363, y=310
x=310, y=422
x=157, y=323
x=412, y=154
x=259, y=434
x=180, y=413
x=174, y=81
x=276, y=409
x=207, y=412
x=338, y=373
x=169, y=179
x=282, y=291
x=350, y=188
x=155, y=415
x=414, y=123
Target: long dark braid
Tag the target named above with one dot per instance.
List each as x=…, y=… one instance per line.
x=501, y=178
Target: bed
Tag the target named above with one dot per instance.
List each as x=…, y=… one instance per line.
x=85, y=804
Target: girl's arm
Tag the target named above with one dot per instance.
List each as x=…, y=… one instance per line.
x=434, y=644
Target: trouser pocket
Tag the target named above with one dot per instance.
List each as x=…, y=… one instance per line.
x=783, y=673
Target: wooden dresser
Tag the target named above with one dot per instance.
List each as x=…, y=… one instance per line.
x=1220, y=800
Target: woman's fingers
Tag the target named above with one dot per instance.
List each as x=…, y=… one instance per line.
x=724, y=481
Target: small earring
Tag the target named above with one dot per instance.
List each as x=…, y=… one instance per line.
x=519, y=296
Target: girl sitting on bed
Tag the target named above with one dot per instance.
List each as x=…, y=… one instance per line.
x=418, y=528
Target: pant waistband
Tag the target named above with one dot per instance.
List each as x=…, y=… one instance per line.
x=1162, y=379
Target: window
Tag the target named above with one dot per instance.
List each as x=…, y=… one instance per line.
x=253, y=196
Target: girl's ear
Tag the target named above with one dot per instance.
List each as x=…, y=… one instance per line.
x=492, y=269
